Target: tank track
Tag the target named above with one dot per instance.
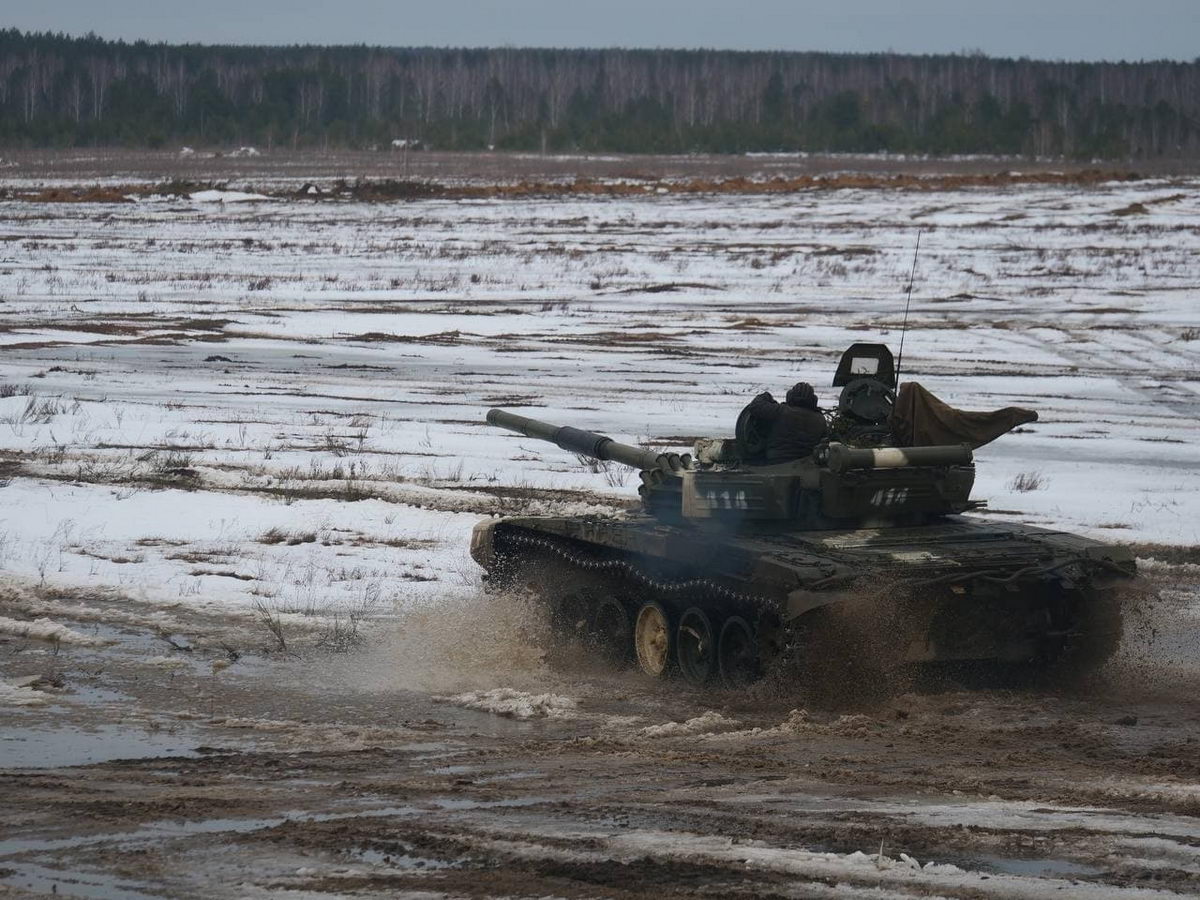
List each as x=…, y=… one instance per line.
x=623, y=568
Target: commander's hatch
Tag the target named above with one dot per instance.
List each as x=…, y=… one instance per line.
x=866, y=361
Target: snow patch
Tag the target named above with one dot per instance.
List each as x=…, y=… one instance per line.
x=165, y=662
x=47, y=630
x=756, y=854
x=515, y=704
x=800, y=721
x=217, y=196
x=21, y=693
x=706, y=723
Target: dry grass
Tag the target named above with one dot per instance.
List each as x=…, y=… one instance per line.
x=291, y=538
x=272, y=622
x=1027, y=481
x=389, y=190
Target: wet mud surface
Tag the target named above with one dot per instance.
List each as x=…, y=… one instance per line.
x=137, y=768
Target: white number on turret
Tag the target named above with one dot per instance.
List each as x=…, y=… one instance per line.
x=889, y=496
x=727, y=499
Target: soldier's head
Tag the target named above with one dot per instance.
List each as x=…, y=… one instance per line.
x=802, y=394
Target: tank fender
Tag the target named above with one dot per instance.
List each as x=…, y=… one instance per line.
x=483, y=543
x=802, y=601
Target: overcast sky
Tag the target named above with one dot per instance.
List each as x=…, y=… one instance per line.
x=1046, y=29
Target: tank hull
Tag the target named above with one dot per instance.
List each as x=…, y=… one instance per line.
x=958, y=589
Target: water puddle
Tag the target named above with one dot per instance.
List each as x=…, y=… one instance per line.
x=39, y=748
x=398, y=860
x=43, y=880
x=508, y=776
x=164, y=829
x=1038, y=868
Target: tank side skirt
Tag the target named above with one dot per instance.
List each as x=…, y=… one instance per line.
x=623, y=567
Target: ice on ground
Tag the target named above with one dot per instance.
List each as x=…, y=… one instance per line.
x=516, y=704
x=901, y=875
x=165, y=662
x=218, y=196
x=47, y=630
x=21, y=693
x=705, y=723
x=759, y=855
x=800, y=721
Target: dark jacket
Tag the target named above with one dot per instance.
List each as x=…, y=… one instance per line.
x=794, y=430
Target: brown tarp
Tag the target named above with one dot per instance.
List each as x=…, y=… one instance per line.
x=920, y=419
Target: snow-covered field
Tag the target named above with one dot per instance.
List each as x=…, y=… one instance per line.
x=219, y=413
x=194, y=388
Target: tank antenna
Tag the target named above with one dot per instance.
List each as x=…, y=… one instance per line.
x=907, y=303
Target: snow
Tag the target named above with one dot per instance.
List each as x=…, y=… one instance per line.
x=196, y=379
x=222, y=196
x=705, y=723
x=901, y=874
x=165, y=662
x=515, y=704
x=46, y=630
x=21, y=693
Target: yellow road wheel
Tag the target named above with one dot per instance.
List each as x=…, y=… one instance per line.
x=654, y=639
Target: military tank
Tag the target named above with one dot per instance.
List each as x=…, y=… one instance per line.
x=732, y=563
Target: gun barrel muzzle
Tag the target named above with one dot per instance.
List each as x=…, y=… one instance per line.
x=576, y=440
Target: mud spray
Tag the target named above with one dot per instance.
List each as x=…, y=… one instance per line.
x=849, y=660
x=1159, y=654
x=458, y=643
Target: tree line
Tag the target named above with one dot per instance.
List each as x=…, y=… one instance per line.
x=57, y=90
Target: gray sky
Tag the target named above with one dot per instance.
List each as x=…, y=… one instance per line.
x=1046, y=29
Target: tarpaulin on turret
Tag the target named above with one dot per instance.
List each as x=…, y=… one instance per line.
x=920, y=419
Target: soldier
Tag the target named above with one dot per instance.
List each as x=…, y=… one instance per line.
x=795, y=427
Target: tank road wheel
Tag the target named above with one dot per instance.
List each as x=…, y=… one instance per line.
x=654, y=639
x=696, y=646
x=737, y=653
x=610, y=630
x=569, y=613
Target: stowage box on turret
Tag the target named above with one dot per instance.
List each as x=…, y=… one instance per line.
x=733, y=563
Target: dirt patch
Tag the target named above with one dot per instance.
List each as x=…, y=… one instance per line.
x=388, y=190
x=444, y=338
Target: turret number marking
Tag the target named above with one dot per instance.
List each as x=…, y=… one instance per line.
x=727, y=499
x=890, y=496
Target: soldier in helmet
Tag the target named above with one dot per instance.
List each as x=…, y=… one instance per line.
x=795, y=427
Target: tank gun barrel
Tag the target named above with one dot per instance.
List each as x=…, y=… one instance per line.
x=587, y=443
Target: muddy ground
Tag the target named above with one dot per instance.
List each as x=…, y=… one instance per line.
x=448, y=753
x=271, y=165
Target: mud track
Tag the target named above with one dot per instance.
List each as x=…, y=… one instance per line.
x=185, y=761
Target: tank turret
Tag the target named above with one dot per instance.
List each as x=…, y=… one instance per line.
x=836, y=486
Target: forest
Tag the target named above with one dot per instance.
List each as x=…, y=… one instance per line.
x=61, y=91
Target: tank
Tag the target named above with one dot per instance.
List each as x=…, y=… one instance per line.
x=861, y=558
